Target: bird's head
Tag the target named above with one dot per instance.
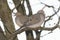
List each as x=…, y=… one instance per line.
x=41, y=11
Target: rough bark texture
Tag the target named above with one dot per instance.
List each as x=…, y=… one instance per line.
x=2, y=36
x=6, y=16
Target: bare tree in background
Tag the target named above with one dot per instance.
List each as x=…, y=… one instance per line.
x=6, y=18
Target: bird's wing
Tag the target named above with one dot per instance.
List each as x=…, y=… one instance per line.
x=36, y=20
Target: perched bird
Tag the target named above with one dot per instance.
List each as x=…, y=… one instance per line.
x=33, y=21
x=36, y=20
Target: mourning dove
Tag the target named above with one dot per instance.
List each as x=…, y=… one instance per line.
x=37, y=19
x=33, y=21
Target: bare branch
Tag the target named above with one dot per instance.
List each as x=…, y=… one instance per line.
x=52, y=14
x=20, y=30
x=46, y=34
x=29, y=7
x=29, y=33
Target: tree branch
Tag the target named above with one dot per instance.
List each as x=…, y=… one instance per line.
x=29, y=33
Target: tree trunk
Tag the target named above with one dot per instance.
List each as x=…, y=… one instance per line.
x=2, y=36
x=6, y=16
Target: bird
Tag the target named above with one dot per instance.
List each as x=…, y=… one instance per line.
x=33, y=21
x=36, y=20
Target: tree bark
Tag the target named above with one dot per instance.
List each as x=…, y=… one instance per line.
x=6, y=16
x=2, y=36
